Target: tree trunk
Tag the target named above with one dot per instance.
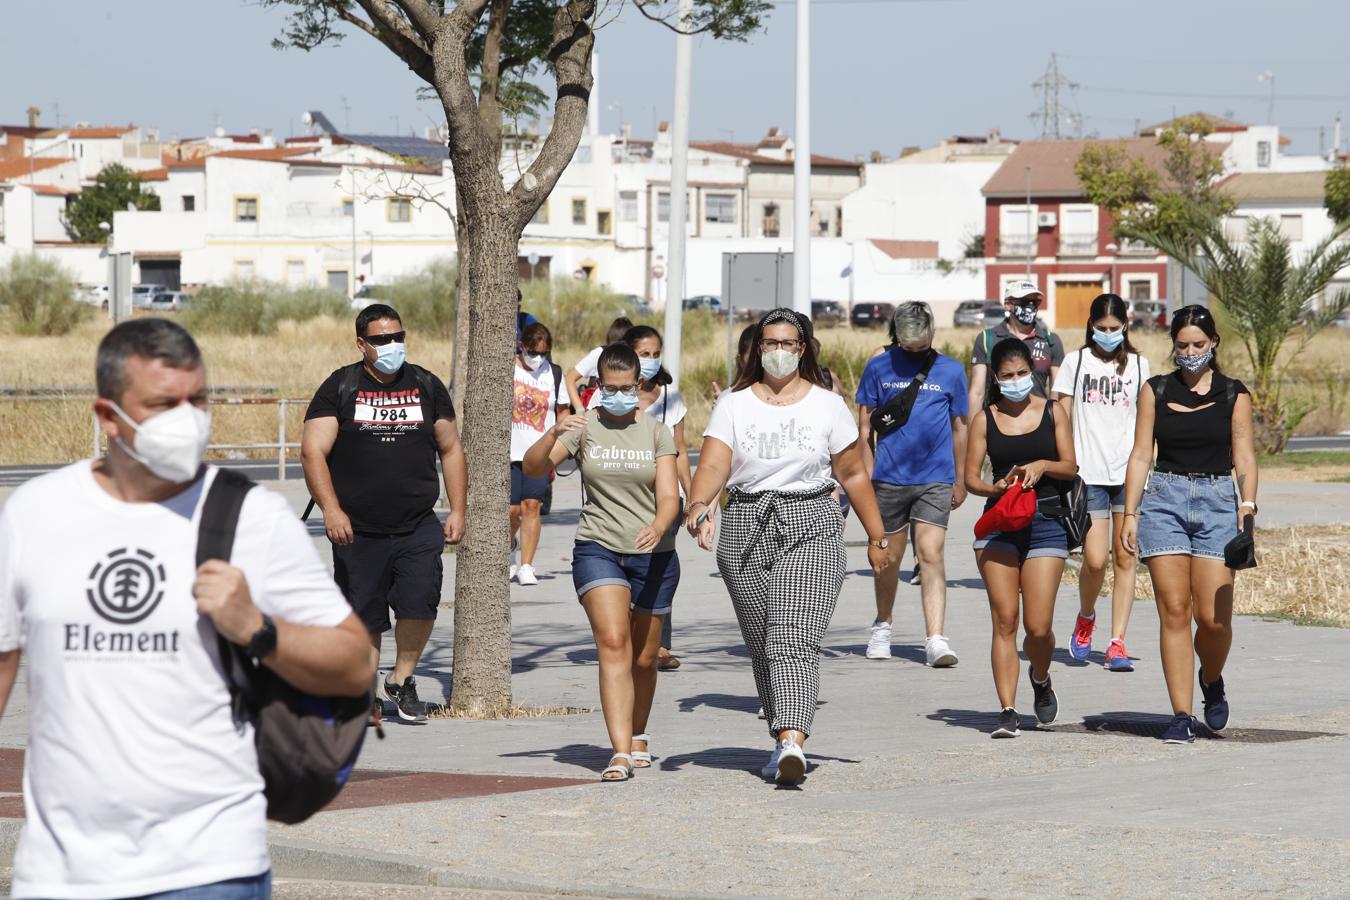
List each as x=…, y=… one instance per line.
x=482, y=667
x=1270, y=426
x=463, y=300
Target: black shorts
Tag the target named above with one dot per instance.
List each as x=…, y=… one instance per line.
x=402, y=572
x=525, y=488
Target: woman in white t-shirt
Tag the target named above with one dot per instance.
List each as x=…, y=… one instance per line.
x=659, y=400
x=587, y=368
x=1098, y=386
x=778, y=440
x=537, y=402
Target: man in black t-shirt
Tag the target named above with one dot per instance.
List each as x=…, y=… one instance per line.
x=1022, y=300
x=372, y=435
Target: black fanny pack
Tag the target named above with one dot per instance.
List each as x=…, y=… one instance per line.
x=892, y=415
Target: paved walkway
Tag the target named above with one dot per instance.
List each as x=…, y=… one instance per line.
x=907, y=794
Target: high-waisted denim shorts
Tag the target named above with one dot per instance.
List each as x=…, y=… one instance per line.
x=1045, y=536
x=1187, y=515
x=651, y=578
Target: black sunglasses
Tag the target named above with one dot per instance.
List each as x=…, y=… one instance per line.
x=379, y=340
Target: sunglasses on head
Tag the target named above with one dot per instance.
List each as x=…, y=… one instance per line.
x=379, y=340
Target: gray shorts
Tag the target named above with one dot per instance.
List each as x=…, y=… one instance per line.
x=900, y=503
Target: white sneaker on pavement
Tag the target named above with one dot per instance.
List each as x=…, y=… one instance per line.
x=791, y=763
x=939, y=653
x=770, y=769
x=525, y=575
x=879, y=645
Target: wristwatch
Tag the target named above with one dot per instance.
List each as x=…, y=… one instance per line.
x=264, y=641
x=881, y=544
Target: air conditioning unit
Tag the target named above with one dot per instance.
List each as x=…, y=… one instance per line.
x=1046, y=220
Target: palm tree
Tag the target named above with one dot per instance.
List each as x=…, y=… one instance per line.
x=1266, y=298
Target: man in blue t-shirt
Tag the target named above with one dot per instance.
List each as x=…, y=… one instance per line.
x=917, y=470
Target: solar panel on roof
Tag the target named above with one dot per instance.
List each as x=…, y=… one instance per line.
x=402, y=145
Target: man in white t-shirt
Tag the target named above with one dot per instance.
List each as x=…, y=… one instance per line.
x=136, y=780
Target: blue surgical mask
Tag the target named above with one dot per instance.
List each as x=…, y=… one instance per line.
x=618, y=403
x=1018, y=389
x=1195, y=364
x=1108, y=340
x=389, y=357
x=650, y=367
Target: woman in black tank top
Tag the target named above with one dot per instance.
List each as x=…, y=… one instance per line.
x=1180, y=518
x=1025, y=442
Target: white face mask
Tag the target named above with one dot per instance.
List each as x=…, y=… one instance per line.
x=780, y=363
x=170, y=444
x=533, y=360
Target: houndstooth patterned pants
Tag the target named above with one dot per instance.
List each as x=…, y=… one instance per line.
x=782, y=558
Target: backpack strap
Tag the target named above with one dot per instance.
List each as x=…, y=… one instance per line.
x=1077, y=371
x=1230, y=395
x=557, y=383
x=1138, y=377
x=215, y=540
x=348, y=385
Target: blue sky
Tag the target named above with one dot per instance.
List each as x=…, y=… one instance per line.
x=887, y=73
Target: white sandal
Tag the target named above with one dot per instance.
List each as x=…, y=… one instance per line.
x=625, y=771
x=642, y=759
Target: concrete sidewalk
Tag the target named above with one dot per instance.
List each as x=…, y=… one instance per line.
x=907, y=794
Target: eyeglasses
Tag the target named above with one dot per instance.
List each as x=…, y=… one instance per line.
x=609, y=390
x=379, y=340
x=768, y=345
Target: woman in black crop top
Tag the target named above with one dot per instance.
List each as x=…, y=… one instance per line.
x=1179, y=518
x=1025, y=441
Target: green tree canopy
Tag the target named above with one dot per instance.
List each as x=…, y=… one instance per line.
x=1338, y=195
x=115, y=189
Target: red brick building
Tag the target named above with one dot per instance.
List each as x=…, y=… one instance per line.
x=1066, y=239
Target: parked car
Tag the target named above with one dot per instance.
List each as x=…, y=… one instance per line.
x=1147, y=315
x=1342, y=321
x=637, y=305
x=142, y=294
x=871, y=315
x=970, y=313
x=94, y=295
x=827, y=313
x=172, y=301
x=711, y=302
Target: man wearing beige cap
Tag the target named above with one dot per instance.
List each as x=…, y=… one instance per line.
x=1022, y=300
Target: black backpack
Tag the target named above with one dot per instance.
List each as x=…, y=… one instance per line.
x=307, y=745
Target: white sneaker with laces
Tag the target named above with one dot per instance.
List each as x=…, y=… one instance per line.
x=879, y=645
x=939, y=653
x=791, y=763
x=514, y=569
x=525, y=575
x=770, y=769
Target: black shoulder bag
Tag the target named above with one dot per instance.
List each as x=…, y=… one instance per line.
x=307, y=745
x=892, y=415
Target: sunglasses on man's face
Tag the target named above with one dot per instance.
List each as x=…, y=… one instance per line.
x=379, y=340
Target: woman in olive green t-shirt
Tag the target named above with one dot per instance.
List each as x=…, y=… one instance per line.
x=624, y=565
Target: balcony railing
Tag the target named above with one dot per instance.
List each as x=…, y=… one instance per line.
x=1015, y=246
x=1135, y=248
x=1078, y=245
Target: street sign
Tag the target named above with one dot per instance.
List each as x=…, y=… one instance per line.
x=658, y=271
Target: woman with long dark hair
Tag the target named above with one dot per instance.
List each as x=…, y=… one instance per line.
x=1027, y=443
x=624, y=565
x=1098, y=389
x=1179, y=518
x=779, y=440
x=658, y=399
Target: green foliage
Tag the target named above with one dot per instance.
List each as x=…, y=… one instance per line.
x=577, y=313
x=426, y=299
x=259, y=307
x=1338, y=194
x=1141, y=197
x=38, y=296
x=113, y=190
x=1266, y=299
x=973, y=247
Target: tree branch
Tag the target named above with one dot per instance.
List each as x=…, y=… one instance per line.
x=422, y=17
x=489, y=91
x=391, y=31
x=468, y=136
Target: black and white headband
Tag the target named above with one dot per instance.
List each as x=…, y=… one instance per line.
x=783, y=314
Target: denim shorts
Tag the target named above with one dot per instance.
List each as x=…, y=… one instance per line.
x=651, y=578
x=1187, y=515
x=1043, y=537
x=1105, y=499
x=524, y=487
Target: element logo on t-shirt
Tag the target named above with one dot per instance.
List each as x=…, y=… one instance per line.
x=531, y=407
x=125, y=587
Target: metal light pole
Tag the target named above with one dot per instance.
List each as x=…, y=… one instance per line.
x=679, y=194
x=351, y=280
x=801, y=167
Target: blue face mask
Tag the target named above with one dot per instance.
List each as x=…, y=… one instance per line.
x=650, y=367
x=389, y=358
x=618, y=404
x=1108, y=340
x=1018, y=389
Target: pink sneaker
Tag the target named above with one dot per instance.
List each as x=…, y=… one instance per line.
x=1080, y=645
x=1117, y=658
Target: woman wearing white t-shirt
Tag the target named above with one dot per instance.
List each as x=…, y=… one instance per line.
x=774, y=441
x=587, y=368
x=659, y=400
x=1098, y=386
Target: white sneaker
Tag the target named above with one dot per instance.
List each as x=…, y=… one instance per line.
x=879, y=645
x=770, y=769
x=939, y=653
x=514, y=569
x=525, y=575
x=515, y=561
x=791, y=763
